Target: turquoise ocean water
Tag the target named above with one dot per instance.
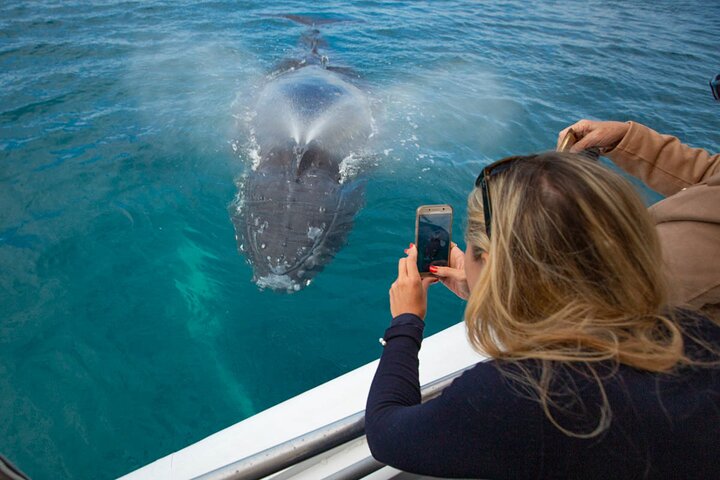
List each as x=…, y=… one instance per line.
x=129, y=327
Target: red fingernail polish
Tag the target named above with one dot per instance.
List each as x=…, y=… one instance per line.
x=433, y=269
x=406, y=250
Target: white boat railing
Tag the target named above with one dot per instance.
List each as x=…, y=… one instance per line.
x=317, y=442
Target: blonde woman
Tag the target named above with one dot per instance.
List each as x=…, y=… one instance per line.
x=592, y=374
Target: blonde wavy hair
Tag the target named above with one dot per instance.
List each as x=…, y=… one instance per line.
x=574, y=274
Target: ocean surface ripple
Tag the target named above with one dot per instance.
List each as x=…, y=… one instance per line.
x=129, y=327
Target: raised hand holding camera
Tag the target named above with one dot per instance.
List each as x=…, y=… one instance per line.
x=408, y=293
x=589, y=134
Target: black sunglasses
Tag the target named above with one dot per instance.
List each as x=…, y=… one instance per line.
x=482, y=179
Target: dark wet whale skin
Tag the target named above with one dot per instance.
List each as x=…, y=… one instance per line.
x=294, y=211
x=292, y=225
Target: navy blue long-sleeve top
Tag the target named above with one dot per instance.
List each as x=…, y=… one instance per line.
x=487, y=424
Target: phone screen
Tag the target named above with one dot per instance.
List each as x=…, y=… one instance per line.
x=433, y=240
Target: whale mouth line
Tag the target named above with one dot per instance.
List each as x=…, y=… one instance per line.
x=282, y=280
x=301, y=261
x=311, y=251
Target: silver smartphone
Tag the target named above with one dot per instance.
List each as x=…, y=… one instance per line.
x=433, y=234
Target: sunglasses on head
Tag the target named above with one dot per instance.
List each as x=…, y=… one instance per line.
x=482, y=182
x=494, y=169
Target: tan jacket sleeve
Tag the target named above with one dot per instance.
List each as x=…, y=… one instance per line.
x=662, y=162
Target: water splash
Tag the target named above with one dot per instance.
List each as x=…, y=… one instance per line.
x=275, y=281
x=312, y=105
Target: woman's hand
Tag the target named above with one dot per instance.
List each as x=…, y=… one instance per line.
x=453, y=277
x=602, y=135
x=408, y=294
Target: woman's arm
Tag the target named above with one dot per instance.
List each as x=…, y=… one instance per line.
x=476, y=428
x=396, y=381
x=402, y=432
x=460, y=432
x=661, y=161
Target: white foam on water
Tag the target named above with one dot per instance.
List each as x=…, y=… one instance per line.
x=355, y=163
x=349, y=167
x=238, y=202
x=277, y=282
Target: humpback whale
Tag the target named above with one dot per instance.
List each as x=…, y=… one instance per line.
x=294, y=208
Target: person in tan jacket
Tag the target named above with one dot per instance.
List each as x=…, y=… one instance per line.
x=688, y=219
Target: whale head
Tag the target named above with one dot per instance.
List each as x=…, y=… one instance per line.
x=292, y=221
